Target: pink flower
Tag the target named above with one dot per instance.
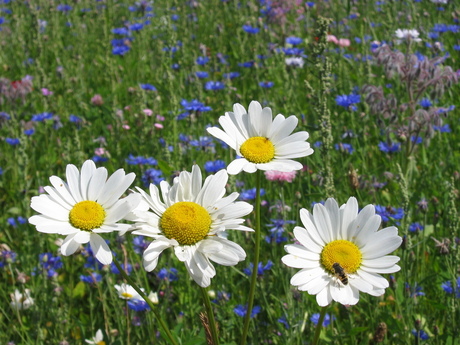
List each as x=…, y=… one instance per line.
x=97, y=100
x=344, y=42
x=273, y=175
x=148, y=112
x=332, y=38
x=99, y=151
x=158, y=125
x=160, y=118
x=46, y=92
x=126, y=127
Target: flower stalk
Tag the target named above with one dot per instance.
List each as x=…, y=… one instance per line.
x=211, y=322
x=319, y=325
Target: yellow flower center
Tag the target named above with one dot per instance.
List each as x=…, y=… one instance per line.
x=186, y=222
x=258, y=150
x=102, y=342
x=343, y=252
x=126, y=295
x=87, y=215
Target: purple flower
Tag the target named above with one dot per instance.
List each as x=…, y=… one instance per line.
x=120, y=31
x=202, y=60
x=7, y=257
x=168, y=274
x=241, y=310
x=214, y=166
x=348, y=101
x=344, y=148
x=250, y=194
x=139, y=160
x=153, y=176
x=326, y=321
x=120, y=50
x=136, y=26
x=293, y=40
x=29, y=132
x=202, y=74
x=266, y=84
x=420, y=334
x=389, y=147
x=443, y=129
x=214, y=85
x=92, y=278
x=388, y=212
x=42, y=117
x=231, y=75
x=148, y=87
x=12, y=141
x=261, y=268
x=250, y=29
x=138, y=305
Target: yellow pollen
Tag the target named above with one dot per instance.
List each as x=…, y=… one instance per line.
x=343, y=252
x=258, y=150
x=87, y=215
x=186, y=222
x=126, y=295
x=102, y=342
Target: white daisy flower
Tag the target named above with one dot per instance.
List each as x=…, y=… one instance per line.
x=341, y=252
x=21, y=301
x=85, y=206
x=98, y=339
x=192, y=218
x=407, y=35
x=263, y=143
x=126, y=291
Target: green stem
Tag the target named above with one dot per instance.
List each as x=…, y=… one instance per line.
x=319, y=326
x=252, y=287
x=148, y=301
x=210, y=314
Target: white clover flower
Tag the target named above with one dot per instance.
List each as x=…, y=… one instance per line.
x=341, y=252
x=21, y=301
x=126, y=291
x=407, y=35
x=193, y=218
x=263, y=143
x=98, y=339
x=85, y=206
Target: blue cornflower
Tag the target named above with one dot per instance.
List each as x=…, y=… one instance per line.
x=241, y=310
x=29, y=132
x=247, y=64
x=231, y=75
x=139, y=244
x=414, y=292
x=148, y=87
x=348, y=101
x=425, y=103
x=42, y=117
x=250, y=194
x=12, y=141
x=92, y=278
x=168, y=274
x=139, y=160
x=292, y=51
x=389, y=147
x=420, y=334
x=64, y=8
x=214, y=85
x=175, y=17
x=136, y=27
x=416, y=227
x=50, y=264
x=120, y=50
x=448, y=288
x=120, y=31
x=7, y=257
x=202, y=60
x=261, y=268
x=293, y=40
x=284, y=321
x=202, y=143
x=344, y=148
x=153, y=176
x=310, y=4
x=446, y=110
x=266, y=84
x=4, y=116
x=99, y=159
x=194, y=105
x=417, y=140
x=326, y=321
x=214, y=166
x=75, y=119
x=443, y=129
x=128, y=268
x=138, y=305
x=202, y=74
x=387, y=213
x=250, y=29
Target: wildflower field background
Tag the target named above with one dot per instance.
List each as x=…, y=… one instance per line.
x=134, y=85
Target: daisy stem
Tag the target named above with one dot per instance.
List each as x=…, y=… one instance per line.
x=319, y=325
x=210, y=314
x=252, y=287
x=154, y=309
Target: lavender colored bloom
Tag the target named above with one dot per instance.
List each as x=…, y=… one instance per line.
x=138, y=305
x=415, y=291
x=348, y=101
x=261, y=268
x=241, y=310
x=417, y=140
x=128, y=268
x=450, y=289
x=4, y=116
x=92, y=278
x=140, y=244
x=344, y=148
x=140, y=160
x=250, y=29
x=443, y=129
x=136, y=26
x=214, y=85
x=293, y=51
x=202, y=74
x=214, y=166
x=120, y=50
x=326, y=321
x=64, y=8
x=247, y=64
x=284, y=321
x=152, y=176
x=194, y=105
x=148, y=87
x=75, y=119
x=29, y=132
x=7, y=257
x=12, y=141
x=388, y=213
x=231, y=75
x=202, y=143
x=50, y=264
x=425, y=103
x=120, y=31
x=389, y=147
x=99, y=159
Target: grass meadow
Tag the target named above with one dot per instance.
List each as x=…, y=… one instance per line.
x=134, y=85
